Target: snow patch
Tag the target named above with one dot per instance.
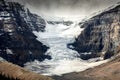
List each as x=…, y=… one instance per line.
x=1, y=59
x=8, y=51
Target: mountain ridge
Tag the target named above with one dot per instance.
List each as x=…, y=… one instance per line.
x=18, y=44
x=100, y=35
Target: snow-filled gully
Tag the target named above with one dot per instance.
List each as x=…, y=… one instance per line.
x=64, y=60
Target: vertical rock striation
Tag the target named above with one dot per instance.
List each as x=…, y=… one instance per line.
x=101, y=36
x=17, y=42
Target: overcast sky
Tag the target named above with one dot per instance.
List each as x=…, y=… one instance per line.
x=67, y=8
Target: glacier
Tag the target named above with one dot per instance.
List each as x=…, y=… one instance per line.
x=64, y=60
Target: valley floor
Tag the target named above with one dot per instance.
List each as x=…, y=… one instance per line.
x=106, y=71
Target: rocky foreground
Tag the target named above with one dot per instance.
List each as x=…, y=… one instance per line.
x=9, y=71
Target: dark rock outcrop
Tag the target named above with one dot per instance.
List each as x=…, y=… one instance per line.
x=17, y=42
x=67, y=23
x=100, y=35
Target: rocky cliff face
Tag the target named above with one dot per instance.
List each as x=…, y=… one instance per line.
x=17, y=42
x=101, y=36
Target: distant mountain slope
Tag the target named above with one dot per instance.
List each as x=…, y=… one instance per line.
x=18, y=44
x=100, y=36
x=10, y=71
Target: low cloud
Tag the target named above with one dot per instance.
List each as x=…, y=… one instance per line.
x=67, y=8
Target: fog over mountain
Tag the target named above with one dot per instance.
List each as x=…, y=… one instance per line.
x=67, y=8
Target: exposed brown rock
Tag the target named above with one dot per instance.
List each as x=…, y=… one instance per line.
x=12, y=71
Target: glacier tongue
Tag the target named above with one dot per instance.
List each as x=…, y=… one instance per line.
x=58, y=49
x=57, y=37
x=63, y=60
